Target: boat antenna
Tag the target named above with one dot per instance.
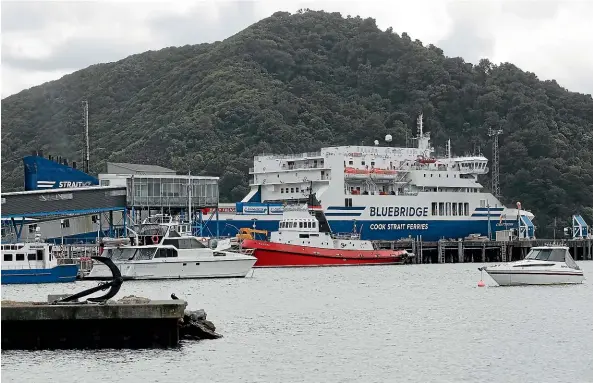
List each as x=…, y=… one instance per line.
x=85, y=149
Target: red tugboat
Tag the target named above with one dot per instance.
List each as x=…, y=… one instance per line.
x=300, y=242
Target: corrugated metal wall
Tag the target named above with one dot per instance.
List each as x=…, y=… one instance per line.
x=65, y=200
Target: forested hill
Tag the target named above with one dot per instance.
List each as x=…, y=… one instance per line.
x=293, y=83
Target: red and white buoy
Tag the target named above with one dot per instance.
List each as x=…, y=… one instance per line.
x=481, y=282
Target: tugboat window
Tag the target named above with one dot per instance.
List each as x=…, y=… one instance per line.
x=20, y=257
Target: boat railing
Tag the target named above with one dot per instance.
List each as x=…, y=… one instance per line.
x=346, y=236
x=287, y=156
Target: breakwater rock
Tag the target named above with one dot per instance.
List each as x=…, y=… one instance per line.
x=195, y=326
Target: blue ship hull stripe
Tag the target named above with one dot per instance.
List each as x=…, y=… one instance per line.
x=346, y=208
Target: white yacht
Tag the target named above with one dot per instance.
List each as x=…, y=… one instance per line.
x=543, y=265
x=158, y=251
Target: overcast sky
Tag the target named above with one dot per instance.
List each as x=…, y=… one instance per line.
x=44, y=40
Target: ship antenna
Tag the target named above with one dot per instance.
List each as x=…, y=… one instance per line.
x=85, y=151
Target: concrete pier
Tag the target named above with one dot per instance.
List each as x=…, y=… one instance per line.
x=36, y=325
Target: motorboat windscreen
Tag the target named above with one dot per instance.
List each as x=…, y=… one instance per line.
x=553, y=255
x=550, y=255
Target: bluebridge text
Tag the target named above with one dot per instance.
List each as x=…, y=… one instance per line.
x=398, y=211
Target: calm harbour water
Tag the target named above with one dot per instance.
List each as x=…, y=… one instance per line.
x=412, y=323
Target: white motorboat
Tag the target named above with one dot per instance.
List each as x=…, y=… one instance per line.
x=159, y=251
x=543, y=265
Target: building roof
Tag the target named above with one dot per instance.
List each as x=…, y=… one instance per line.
x=139, y=168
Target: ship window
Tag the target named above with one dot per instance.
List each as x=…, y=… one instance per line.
x=441, y=208
x=362, y=162
x=292, y=190
x=40, y=255
x=104, y=182
x=300, y=225
x=166, y=253
x=303, y=235
x=297, y=189
x=31, y=257
x=460, y=206
x=66, y=223
x=434, y=208
x=20, y=257
x=32, y=228
x=7, y=257
x=454, y=208
x=314, y=225
x=448, y=208
x=281, y=190
x=466, y=208
x=482, y=203
x=350, y=163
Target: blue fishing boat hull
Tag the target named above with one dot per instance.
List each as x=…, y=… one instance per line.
x=58, y=274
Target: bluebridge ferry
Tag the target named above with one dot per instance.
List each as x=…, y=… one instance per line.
x=382, y=193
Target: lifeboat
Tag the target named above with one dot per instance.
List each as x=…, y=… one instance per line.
x=425, y=160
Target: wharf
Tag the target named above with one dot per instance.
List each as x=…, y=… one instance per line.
x=40, y=325
x=450, y=251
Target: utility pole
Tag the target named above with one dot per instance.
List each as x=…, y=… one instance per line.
x=85, y=149
x=495, y=162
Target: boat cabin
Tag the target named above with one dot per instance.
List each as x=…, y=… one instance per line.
x=27, y=256
x=552, y=254
x=299, y=227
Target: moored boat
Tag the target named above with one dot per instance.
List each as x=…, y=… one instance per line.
x=299, y=242
x=543, y=265
x=32, y=263
x=159, y=251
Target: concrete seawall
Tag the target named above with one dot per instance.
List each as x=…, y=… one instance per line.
x=34, y=325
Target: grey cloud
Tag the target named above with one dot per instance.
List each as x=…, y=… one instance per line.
x=536, y=10
x=76, y=53
x=196, y=27
x=470, y=37
x=25, y=15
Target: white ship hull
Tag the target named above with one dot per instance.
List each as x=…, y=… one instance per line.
x=543, y=265
x=532, y=277
x=178, y=269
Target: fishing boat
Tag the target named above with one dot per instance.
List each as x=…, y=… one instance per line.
x=31, y=263
x=303, y=241
x=157, y=250
x=543, y=265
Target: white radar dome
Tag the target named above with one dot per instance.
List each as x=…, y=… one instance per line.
x=388, y=138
